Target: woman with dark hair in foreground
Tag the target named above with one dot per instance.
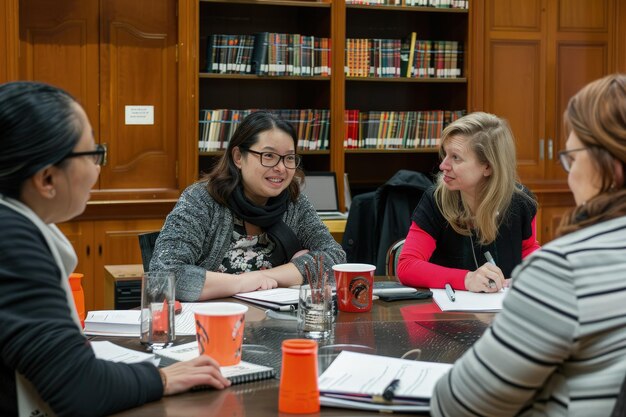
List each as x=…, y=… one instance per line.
x=48, y=164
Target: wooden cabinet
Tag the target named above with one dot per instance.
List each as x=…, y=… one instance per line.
x=106, y=242
x=119, y=59
x=536, y=55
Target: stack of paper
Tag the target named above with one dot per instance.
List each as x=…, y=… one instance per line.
x=114, y=353
x=358, y=380
x=277, y=298
x=469, y=301
x=128, y=322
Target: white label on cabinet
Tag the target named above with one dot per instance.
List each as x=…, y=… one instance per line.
x=139, y=115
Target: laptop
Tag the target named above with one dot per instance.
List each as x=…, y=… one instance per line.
x=321, y=190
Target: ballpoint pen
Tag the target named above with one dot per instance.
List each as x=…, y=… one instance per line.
x=390, y=390
x=450, y=292
x=489, y=259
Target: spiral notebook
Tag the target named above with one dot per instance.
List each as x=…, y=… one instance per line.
x=236, y=374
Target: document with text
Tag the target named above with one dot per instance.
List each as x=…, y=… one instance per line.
x=358, y=380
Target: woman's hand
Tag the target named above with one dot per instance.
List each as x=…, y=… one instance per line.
x=487, y=278
x=257, y=280
x=182, y=376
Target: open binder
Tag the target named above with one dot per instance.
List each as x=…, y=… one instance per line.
x=358, y=380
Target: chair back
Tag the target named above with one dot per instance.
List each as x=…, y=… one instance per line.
x=393, y=254
x=146, y=244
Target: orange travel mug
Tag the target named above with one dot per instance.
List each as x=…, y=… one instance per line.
x=79, y=296
x=299, y=392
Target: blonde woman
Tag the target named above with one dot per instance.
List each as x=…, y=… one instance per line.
x=477, y=223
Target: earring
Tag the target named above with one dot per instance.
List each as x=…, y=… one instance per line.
x=52, y=192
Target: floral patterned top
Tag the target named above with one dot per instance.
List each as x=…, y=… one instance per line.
x=246, y=252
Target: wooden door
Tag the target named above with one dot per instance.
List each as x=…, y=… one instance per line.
x=538, y=53
x=116, y=243
x=80, y=235
x=515, y=76
x=581, y=37
x=138, y=53
x=59, y=46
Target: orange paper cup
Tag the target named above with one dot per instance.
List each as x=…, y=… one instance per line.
x=299, y=392
x=219, y=331
x=355, y=284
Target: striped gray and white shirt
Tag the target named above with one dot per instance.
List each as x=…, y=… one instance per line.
x=558, y=347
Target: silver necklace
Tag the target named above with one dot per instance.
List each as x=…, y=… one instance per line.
x=473, y=251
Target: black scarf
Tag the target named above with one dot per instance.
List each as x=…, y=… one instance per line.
x=268, y=217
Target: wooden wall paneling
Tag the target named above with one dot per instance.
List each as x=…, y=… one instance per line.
x=188, y=107
x=116, y=243
x=620, y=44
x=337, y=96
x=59, y=46
x=9, y=40
x=138, y=67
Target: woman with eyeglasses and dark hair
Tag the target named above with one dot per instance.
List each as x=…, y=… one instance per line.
x=246, y=226
x=558, y=348
x=48, y=164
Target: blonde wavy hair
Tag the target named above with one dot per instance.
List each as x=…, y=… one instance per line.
x=597, y=115
x=491, y=140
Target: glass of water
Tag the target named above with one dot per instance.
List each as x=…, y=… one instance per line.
x=315, y=311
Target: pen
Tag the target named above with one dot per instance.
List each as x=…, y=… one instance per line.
x=450, y=292
x=489, y=259
x=390, y=390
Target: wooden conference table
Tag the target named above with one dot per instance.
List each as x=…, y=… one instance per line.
x=390, y=329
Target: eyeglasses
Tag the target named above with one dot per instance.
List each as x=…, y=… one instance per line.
x=271, y=159
x=566, y=159
x=99, y=155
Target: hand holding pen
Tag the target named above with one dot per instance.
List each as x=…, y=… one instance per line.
x=487, y=278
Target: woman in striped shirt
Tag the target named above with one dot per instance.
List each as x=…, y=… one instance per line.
x=559, y=345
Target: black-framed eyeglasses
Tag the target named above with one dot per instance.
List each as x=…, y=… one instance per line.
x=271, y=159
x=566, y=159
x=98, y=155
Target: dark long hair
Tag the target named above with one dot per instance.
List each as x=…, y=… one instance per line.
x=225, y=176
x=597, y=115
x=39, y=126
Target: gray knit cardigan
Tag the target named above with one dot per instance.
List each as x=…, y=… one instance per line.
x=198, y=232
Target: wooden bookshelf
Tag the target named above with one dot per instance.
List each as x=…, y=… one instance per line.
x=336, y=92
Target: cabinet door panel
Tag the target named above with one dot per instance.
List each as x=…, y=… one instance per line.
x=514, y=15
x=514, y=90
x=590, y=62
x=117, y=244
x=581, y=15
x=138, y=67
x=80, y=235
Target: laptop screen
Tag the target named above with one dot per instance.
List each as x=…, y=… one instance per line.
x=321, y=190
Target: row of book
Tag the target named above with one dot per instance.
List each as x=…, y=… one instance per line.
x=396, y=129
x=364, y=129
x=449, y=4
x=268, y=53
x=410, y=58
x=217, y=126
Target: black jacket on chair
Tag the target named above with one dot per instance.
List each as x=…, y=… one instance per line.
x=378, y=219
